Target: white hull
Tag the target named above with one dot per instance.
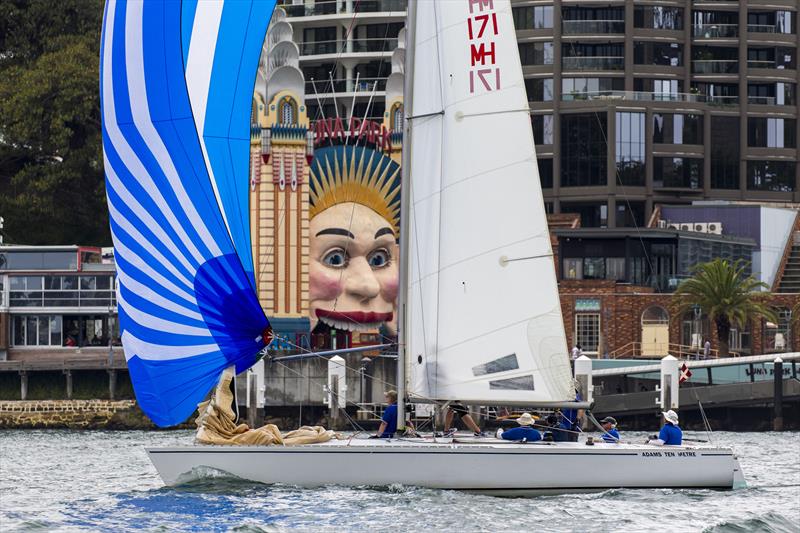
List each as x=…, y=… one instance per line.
x=486, y=465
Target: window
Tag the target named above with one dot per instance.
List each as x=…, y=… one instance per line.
x=777, y=336
x=540, y=53
x=648, y=53
x=715, y=60
x=655, y=314
x=718, y=93
x=658, y=17
x=573, y=268
x=62, y=291
x=534, y=17
x=397, y=117
x=784, y=22
x=583, y=149
x=594, y=268
x=593, y=215
x=593, y=56
x=630, y=214
x=546, y=173
x=677, y=128
x=38, y=330
x=771, y=132
x=587, y=331
x=539, y=89
x=724, y=152
x=776, y=176
x=542, y=129
x=779, y=93
x=630, y=143
x=40, y=260
x=615, y=268
x=288, y=111
x=678, y=172
x=580, y=88
x=319, y=41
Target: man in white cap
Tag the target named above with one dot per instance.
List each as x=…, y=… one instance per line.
x=670, y=434
x=524, y=432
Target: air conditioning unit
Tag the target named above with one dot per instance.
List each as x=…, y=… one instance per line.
x=663, y=224
x=675, y=226
x=715, y=228
x=700, y=227
x=686, y=227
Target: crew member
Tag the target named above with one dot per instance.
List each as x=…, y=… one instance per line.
x=389, y=419
x=456, y=409
x=609, y=425
x=670, y=434
x=524, y=432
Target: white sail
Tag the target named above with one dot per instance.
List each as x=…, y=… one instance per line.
x=484, y=319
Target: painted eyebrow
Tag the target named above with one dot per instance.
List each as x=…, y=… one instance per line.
x=336, y=231
x=384, y=231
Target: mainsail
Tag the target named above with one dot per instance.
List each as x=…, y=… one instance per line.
x=176, y=88
x=484, y=322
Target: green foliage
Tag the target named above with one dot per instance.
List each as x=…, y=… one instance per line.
x=51, y=173
x=726, y=294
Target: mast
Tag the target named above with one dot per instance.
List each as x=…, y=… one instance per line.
x=405, y=213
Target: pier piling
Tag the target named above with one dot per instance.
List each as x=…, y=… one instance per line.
x=777, y=419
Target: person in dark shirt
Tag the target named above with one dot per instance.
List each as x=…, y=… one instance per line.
x=524, y=432
x=670, y=434
x=388, y=425
x=609, y=425
x=455, y=409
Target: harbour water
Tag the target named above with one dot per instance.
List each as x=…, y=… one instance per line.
x=102, y=480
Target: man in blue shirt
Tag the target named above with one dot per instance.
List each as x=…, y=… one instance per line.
x=670, y=434
x=609, y=425
x=389, y=418
x=524, y=432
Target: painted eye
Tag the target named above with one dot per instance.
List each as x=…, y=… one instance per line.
x=379, y=258
x=336, y=258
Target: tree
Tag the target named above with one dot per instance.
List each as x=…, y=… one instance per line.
x=727, y=295
x=51, y=167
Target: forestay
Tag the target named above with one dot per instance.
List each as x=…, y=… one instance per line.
x=176, y=179
x=485, y=320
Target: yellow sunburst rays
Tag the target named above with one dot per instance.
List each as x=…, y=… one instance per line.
x=371, y=182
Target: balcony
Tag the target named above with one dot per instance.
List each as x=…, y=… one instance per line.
x=333, y=7
x=641, y=96
x=593, y=63
x=340, y=85
x=761, y=100
x=762, y=28
x=377, y=45
x=583, y=27
x=715, y=66
x=715, y=31
x=761, y=63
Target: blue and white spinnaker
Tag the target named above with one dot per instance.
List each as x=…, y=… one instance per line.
x=176, y=82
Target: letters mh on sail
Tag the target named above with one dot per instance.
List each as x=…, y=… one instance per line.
x=485, y=320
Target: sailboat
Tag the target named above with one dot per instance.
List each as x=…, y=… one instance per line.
x=480, y=320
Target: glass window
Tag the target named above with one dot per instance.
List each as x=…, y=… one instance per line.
x=542, y=129
x=630, y=214
x=55, y=330
x=593, y=215
x=784, y=22
x=546, y=173
x=539, y=89
x=777, y=176
x=573, y=268
x=580, y=88
x=765, y=132
x=649, y=53
x=724, y=152
x=594, y=268
x=677, y=128
x=583, y=149
x=41, y=260
x=615, y=268
x=540, y=53
x=533, y=17
x=658, y=17
x=678, y=172
x=587, y=331
x=630, y=144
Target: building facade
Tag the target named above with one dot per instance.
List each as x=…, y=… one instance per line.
x=636, y=104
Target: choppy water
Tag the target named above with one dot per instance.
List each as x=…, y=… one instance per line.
x=79, y=481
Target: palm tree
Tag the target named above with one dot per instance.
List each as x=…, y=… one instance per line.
x=726, y=294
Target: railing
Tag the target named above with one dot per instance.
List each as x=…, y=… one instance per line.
x=340, y=46
x=762, y=28
x=592, y=26
x=633, y=350
x=715, y=66
x=323, y=86
x=648, y=97
x=715, y=31
x=593, y=63
x=761, y=100
x=694, y=184
x=332, y=7
x=760, y=63
x=63, y=298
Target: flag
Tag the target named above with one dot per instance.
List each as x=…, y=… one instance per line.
x=685, y=373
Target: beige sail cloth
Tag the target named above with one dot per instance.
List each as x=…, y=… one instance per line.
x=216, y=424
